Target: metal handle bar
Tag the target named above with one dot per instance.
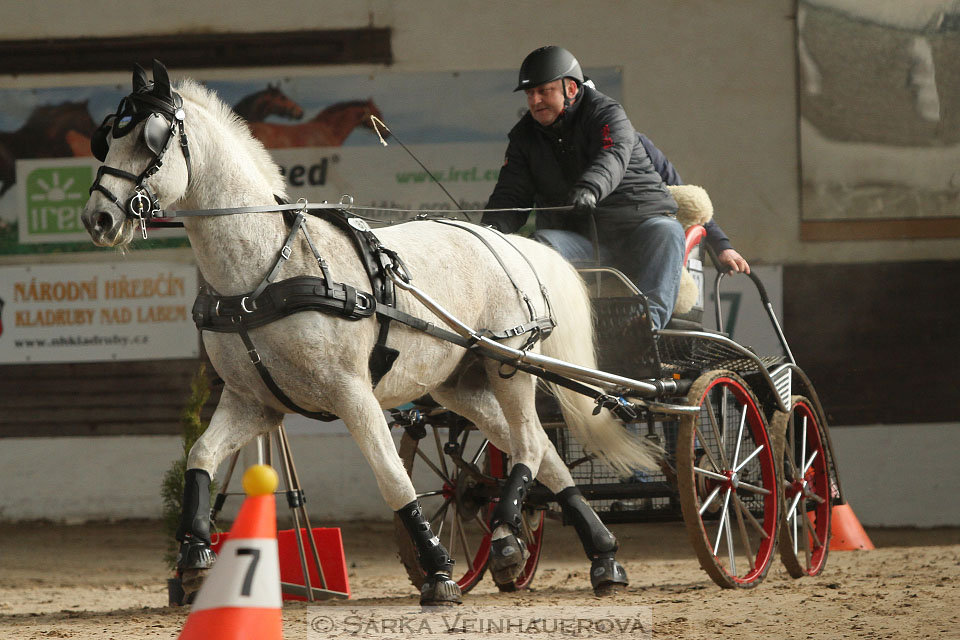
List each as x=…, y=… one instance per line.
x=764, y=298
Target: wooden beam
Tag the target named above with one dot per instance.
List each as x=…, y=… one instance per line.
x=366, y=45
x=879, y=229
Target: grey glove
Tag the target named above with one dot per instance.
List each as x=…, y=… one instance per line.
x=583, y=200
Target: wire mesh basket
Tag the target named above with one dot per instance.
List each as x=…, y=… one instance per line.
x=642, y=495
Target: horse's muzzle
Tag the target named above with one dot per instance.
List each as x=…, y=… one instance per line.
x=104, y=228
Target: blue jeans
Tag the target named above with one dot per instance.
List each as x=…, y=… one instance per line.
x=651, y=255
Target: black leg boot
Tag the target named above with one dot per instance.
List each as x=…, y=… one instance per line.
x=606, y=574
x=508, y=555
x=439, y=588
x=195, y=556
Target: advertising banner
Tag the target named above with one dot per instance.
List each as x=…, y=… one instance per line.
x=95, y=312
x=318, y=129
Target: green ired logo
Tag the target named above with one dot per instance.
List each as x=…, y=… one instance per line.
x=55, y=198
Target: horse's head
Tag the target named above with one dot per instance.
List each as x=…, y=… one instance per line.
x=370, y=109
x=271, y=101
x=279, y=104
x=56, y=120
x=143, y=169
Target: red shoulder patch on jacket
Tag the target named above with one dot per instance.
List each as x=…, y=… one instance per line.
x=606, y=139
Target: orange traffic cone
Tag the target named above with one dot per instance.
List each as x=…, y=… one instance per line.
x=240, y=598
x=846, y=532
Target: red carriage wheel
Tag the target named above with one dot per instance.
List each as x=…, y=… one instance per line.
x=458, y=507
x=728, y=481
x=805, y=519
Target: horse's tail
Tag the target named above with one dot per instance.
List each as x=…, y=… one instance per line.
x=573, y=341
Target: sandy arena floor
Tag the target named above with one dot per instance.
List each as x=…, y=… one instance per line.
x=107, y=581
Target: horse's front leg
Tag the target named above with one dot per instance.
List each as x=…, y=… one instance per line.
x=236, y=421
x=365, y=420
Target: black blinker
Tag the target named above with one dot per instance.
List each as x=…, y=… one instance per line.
x=156, y=132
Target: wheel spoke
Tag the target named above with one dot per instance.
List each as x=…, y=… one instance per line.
x=813, y=533
x=726, y=526
x=723, y=517
x=743, y=535
x=483, y=525
x=806, y=532
x=710, y=498
x=430, y=494
x=443, y=458
x=750, y=517
x=808, y=463
x=716, y=433
x=438, y=512
x=749, y=458
x=465, y=544
x=430, y=464
x=754, y=489
x=803, y=444
x=711, y=474
x=483, y=447
x=793, y=506
x=454, y=521
x=743, y=421
x=706, y=450
x=791, y=445
x=795, y=539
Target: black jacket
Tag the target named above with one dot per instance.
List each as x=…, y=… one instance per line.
x=592, y=145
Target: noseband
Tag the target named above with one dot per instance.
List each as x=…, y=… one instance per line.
x=162, y=120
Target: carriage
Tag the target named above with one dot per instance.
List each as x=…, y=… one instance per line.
x=319, y=342
x=747, y=460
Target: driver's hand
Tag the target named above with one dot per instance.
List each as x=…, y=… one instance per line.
x=733, y=261
x=583, y=199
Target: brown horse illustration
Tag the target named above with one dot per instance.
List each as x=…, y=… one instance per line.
x=267, y=102
x=51, y=131
x=329, y=128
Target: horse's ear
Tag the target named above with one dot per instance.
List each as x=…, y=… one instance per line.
x=161, y=81
x=139, y=78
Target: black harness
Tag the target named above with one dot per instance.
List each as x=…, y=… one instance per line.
x=273, y=300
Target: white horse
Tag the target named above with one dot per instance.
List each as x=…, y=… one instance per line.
x=320, y=361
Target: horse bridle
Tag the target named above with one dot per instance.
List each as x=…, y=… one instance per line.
x=163, y=118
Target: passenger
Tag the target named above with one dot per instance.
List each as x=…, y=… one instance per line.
x=576, y=146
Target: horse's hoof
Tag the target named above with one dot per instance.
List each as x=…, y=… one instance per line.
x=190, y=581
x=440, y=590
x=194, y=559
x=607, y=577
x=508, y=556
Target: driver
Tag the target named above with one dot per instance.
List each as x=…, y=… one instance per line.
x=576, y=146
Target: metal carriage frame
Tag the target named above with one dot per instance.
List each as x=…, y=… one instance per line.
x=748, y=464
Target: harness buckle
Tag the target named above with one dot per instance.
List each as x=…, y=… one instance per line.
x=364, y=302
x=517, y=330
x=254, y=356
x=286, y=251
x=243, y=305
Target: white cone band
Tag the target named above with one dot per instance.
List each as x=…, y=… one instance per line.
x=246, y=574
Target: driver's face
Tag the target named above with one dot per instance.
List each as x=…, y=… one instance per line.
x=546, y=101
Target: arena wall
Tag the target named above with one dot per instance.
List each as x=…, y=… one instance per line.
x=713, y=83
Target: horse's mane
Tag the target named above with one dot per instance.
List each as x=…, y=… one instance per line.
x=221, y=111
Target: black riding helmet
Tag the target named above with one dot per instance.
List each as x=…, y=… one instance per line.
x=547, y=64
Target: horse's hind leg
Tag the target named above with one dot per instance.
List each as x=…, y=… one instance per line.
x=235, y=422
x=364, y=418
x=471, y=396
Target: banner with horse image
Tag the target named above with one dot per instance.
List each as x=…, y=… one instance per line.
x=318, y=128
